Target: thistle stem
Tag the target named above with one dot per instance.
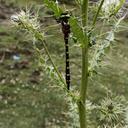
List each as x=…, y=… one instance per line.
x=55, y=68
x=84, y=81
x=97, y=13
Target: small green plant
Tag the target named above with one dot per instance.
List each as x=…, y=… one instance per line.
x=92, y=43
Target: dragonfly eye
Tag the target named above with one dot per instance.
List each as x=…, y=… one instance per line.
x=64, y=17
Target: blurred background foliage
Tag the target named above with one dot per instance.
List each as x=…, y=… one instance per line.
x=29, y=99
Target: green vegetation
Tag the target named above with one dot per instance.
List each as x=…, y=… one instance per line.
x=30, y=98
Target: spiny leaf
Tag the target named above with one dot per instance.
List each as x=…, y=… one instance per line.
x=54, y=7
x=118, y=7
x=100, y=52
x=77, y=30
x=78, y=2
x=110, y=37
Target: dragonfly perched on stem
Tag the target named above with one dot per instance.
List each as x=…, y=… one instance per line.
x=65, y=26
x=63, y=19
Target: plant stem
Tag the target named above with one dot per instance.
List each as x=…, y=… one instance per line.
x=72, y=95
x=97, y=13
x=84, y=81
x=40, y=37
x=55, y=68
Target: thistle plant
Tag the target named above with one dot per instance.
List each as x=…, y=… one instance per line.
x=84, y=31
x=112, y=6
x=112, y=112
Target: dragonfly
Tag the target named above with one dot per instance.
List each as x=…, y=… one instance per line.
x=63, y=20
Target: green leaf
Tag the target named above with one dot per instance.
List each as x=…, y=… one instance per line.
x=118, y=7
x=54, y=7
x=77, y=30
